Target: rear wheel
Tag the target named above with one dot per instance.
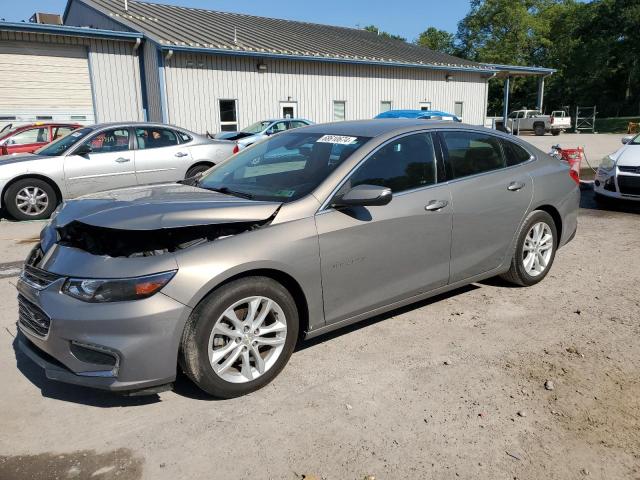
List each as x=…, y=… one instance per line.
x=539, y=130
x=555, y=133
x=535, y=250
x=30, y=199
x=240, y=337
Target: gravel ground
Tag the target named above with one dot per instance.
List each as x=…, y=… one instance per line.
x=453, y=387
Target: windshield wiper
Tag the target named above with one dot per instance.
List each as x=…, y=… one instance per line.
x=228, y=191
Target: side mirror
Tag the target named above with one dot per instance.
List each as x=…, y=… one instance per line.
x=627, y=139
x=268, y=132
x=365, y=196
x=83, y=150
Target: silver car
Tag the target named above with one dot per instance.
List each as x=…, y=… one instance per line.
x=261, y=130
x=301, y=234
x=103, y=157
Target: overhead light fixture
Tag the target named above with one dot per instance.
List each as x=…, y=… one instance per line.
x=262, y=67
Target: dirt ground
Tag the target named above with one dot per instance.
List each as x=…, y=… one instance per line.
x=453, y=387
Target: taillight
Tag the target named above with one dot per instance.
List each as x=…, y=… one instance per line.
x=575, y=175
x=236, y=149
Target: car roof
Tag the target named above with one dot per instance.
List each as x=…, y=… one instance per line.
x=414, y=114
x=382, y=126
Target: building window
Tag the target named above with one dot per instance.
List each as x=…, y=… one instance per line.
x=459, y=107
x=339, y=110
x=228, y=116
x=385, y=106
x=424, y=106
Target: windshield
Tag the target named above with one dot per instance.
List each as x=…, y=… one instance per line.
x=256, y=127
x=635, y=141
x=283, y=168
x=63, y=144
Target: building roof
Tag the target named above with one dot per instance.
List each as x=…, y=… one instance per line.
x=504, y=71
x=183, y=28
x=68, y=31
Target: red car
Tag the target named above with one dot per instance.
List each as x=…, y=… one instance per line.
x=29, y=138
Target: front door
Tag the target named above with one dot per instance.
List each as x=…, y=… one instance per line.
x=159, y=156
x=109, y=165
x=288, y=109
x=374, y=256
x=489, y=201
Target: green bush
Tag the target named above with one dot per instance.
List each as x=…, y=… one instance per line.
x=614, y=124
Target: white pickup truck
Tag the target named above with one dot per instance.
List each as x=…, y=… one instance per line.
x=535, y=121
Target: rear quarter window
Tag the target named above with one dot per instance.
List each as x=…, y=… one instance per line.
x=514, y=154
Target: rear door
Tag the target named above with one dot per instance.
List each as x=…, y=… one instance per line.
x=374, y=256
x=489, y=197
x=28, y=141
x=160, y=155
x=109, y=165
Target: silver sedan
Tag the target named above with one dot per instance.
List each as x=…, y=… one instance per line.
x=103, y=157
x=303, y=233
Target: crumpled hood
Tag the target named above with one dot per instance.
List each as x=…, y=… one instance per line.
x=162, y=206
x=628, y=156
x=22, y=157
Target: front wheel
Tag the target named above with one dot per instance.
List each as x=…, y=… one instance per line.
x=30, y=199
x=240, y=337
x=535, y=250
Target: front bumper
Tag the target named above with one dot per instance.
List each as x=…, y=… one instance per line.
x=607, y=183
x=142, y=337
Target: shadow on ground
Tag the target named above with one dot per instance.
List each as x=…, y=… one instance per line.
x=589, y=202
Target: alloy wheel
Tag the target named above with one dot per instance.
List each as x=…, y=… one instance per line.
x=537, y=249
x=247, y=339
x=32, y=201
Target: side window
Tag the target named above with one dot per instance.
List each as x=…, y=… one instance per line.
x=401, y=165
x=59, y=132
x=471, y=153
x=116, y=140
x=278, y=127
x=296, y=124
x=34, y=135
x=514, y=154
x=185, y=137
x=151, y=137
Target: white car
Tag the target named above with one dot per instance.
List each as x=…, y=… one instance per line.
x=262, y=130
x=619, y=173
x=103, y=157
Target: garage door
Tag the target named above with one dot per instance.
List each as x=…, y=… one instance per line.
x=45, y=80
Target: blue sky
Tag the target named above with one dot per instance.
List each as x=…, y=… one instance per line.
x=404, y=17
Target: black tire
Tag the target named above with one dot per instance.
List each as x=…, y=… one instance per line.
x=517, y=273
x=555, y=133
x=539, y=130
x=196, y=169
x=194, y=348
x=10, y=199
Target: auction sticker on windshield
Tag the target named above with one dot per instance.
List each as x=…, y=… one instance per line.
x=339, y=139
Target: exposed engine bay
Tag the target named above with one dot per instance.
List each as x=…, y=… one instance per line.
x=113, y=242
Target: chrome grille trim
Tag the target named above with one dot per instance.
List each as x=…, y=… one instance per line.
x=32, y=318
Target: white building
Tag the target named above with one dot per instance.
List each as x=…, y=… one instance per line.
x=210, y=71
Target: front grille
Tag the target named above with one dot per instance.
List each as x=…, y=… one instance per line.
x=629, y=169
x=629, y=185
x=32, y=318
x=37, y=278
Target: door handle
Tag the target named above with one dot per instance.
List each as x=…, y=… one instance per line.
x=435, y=205
x=515, y=186
x=122, y=160
x=181, y=154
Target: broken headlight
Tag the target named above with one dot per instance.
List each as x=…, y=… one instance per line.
x=607, y=163
x=116, y=290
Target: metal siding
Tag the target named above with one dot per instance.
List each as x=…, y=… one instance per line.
x=115, y=75
x=193, y=91
x=153, y=81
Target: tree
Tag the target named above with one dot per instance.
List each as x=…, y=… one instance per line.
x=438, y=40
x=376, y=30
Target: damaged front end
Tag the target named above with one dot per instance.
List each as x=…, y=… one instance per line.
x=112, y=242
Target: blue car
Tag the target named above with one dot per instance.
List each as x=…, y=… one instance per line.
x=424, y=114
